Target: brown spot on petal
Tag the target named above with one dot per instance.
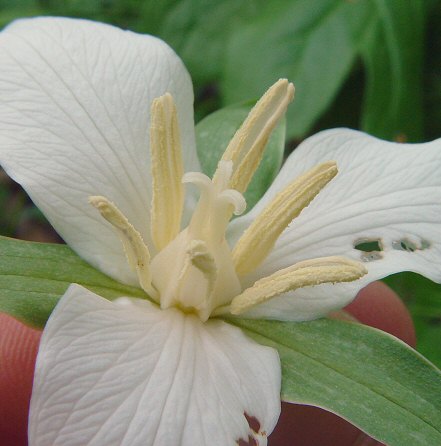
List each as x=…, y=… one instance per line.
x=253, y=422
x=250, y=442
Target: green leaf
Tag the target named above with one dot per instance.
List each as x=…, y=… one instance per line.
x=315, y=47
x=214, y=133
x=198, y=30
x=432, y=73
x=423, y=299
x=33, y=276
x=392, y=54
x=20, y=10
x=366, y=376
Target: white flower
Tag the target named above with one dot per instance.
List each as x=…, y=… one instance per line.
x=75, y=126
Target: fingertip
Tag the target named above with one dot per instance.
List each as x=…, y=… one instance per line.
x=18, y=350
x=301, y=425
x=379, y=306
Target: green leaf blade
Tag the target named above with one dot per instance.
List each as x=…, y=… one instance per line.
x=314, y=47
x=392, y=54
x=33, y=276
x=423, y=299
x=198, y=31
x=366, y=376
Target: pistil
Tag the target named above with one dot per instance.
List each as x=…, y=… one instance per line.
x=195, y=272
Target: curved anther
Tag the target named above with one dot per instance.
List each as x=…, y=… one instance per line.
x=302, y=274
x=136, y=250
x=247, y=146
x=258, y=240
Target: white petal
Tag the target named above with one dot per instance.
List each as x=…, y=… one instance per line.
x=74, y=122
x=129, y=374
x=384, y=191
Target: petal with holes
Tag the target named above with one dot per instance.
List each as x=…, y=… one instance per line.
x=385, y=193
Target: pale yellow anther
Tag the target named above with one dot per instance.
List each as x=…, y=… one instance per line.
x=167, y=172
x=136, y=250
x=259, y=239
x=302, y=274
x=247, y=146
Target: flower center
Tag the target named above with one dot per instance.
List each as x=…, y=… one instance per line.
x=194, y=269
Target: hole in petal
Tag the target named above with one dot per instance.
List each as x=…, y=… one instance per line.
x=371, y=249
x=253, y=422
x=408, y=245
x=404, y=245
x=368, y=245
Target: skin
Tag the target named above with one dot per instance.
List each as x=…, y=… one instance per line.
x=376, y=305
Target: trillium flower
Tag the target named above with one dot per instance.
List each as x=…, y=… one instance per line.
x=97, y=125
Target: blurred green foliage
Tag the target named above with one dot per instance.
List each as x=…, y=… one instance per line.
x=369, y=64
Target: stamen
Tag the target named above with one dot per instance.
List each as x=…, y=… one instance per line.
x=136, y=250
x=167, y=171
x=247, y=146
x=303, y=274
x=259, y=239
